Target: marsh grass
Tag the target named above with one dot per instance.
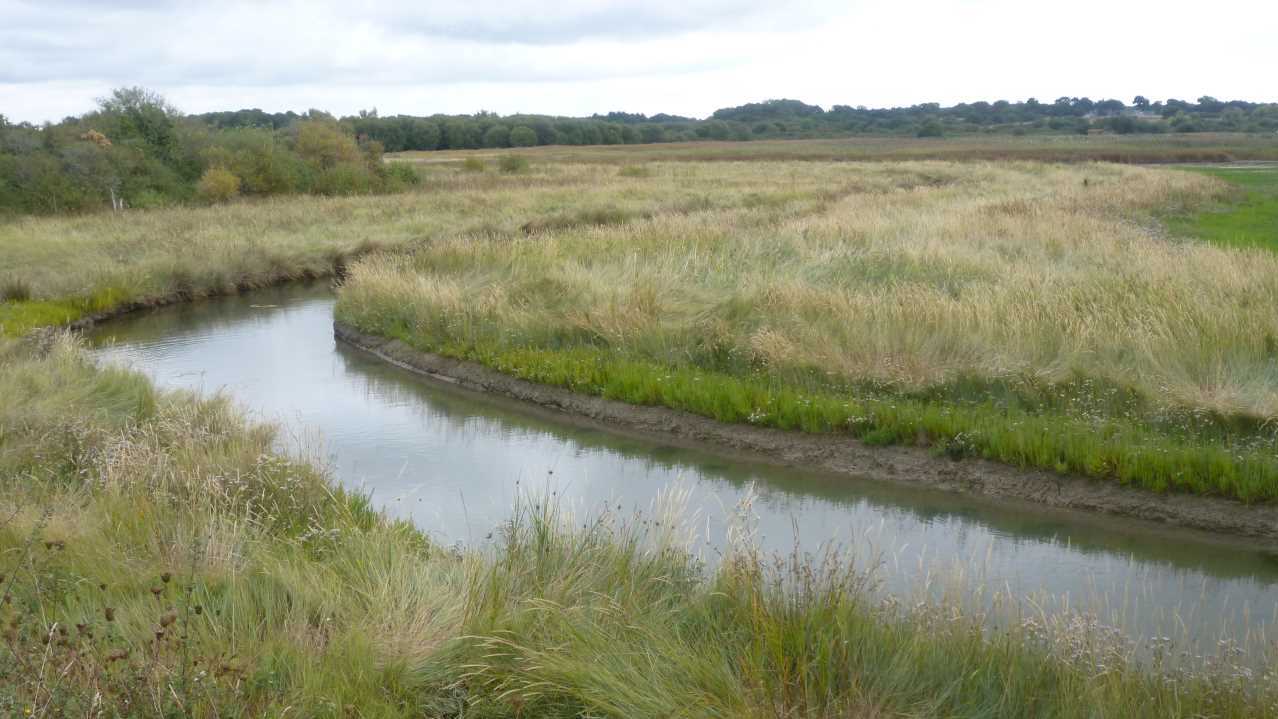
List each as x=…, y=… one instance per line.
x=1019, y=312
x=177, y=567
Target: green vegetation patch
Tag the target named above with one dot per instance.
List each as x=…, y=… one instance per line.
x=1130, y=450
x=1248, y=215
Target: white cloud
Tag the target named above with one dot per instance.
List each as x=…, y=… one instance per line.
x=594, y=56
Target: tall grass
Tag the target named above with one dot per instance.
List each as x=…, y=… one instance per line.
x=1022, y=312
x=158, y=560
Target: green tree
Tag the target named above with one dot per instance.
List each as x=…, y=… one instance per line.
x=523, y=136
x=497, y=136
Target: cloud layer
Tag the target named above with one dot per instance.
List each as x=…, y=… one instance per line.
x=585, y=56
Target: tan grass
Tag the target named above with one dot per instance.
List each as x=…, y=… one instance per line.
x=913, y=274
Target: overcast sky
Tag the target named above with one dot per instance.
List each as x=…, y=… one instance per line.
x=584, y=56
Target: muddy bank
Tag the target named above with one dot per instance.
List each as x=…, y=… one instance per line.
x=845, y=455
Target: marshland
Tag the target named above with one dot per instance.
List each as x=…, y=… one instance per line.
x=210, y=507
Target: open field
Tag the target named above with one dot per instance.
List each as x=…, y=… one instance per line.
x=1026, y=313
x=1147, y=149
x=157, y=559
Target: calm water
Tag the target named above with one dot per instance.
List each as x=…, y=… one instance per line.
x=454, y=462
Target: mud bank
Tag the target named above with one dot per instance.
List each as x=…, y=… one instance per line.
x=843, y=455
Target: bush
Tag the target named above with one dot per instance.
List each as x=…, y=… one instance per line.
x=473, y=164
x=400, y=175
x=346, y=178
x=511, y=164
x=523, y=136
x=218, y=184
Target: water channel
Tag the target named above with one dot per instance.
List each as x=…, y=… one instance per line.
x=454, y=462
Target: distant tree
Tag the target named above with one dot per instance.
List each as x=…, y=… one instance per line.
x=1207, y=103
x=422, y=135
x=497, y=136
x=931, y=128
x=1110, y=107
x=1140, y=102
x=523, y=136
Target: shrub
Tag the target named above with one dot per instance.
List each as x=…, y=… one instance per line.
x=523, y=137
x=511, y=164
x=218, y=184
x=400, y=175
x=473, y=164
x=346, y=178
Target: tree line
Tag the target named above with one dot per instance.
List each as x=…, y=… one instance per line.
x=136, y=150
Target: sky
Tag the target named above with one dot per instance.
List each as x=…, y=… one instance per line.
x=580, y=57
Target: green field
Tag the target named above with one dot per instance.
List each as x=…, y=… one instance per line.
x=157, y=558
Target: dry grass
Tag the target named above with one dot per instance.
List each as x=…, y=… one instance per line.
x=1029, y=313
x=907, y=274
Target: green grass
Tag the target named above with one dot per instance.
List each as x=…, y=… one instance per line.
x=177, y=567
x=1249, y=216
